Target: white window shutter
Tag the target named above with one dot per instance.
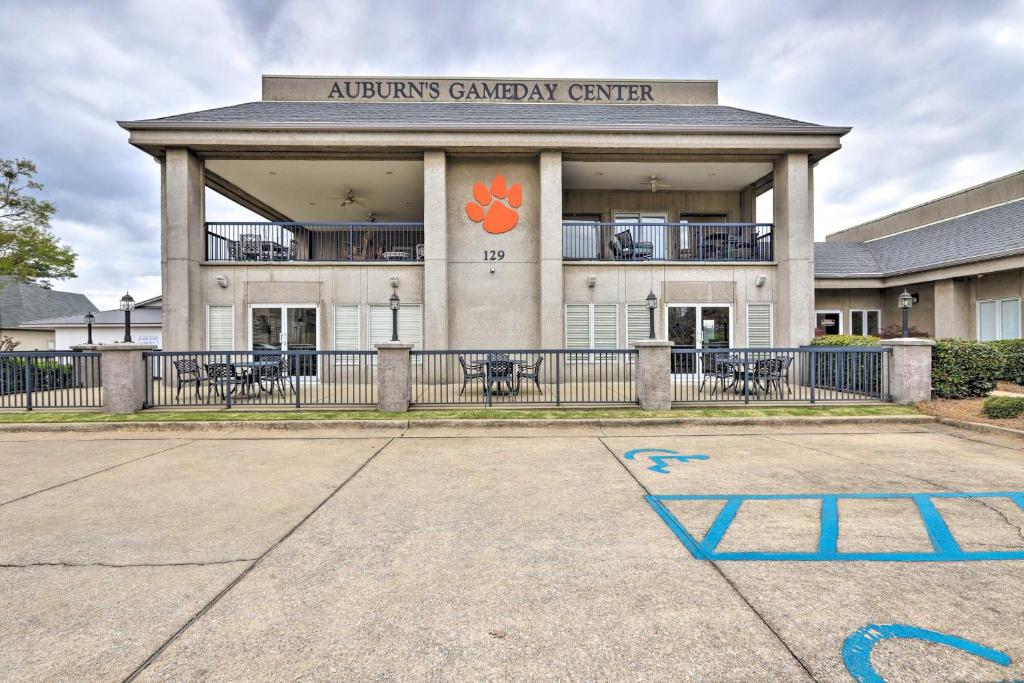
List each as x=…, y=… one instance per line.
x=577, y=326
x=606, y=326
x=380, y=325
x=346, y=328
x=759, y=325
x=220, y=328
x=410, y=324
x=637, y=323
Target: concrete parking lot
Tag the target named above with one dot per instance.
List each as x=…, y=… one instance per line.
x=579, y=553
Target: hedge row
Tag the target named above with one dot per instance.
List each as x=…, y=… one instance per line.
x=1003, y=407
x=963, y=369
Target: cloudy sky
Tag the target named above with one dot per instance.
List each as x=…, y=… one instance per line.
x=932, y=89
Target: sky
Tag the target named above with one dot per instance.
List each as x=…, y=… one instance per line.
x=933, y=90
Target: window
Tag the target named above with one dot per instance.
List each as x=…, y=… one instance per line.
x=647, y=229
x=410, y=324
x=998, y=319
x=638, y=323
x=759, y=325
x=346, y=332
x=865, y=322
x=220, y=328
x=591, y=326
x=829, y=322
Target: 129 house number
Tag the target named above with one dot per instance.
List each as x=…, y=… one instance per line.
x=494, y=255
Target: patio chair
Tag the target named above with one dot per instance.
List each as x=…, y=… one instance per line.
x=725, y=374
x=234, y=251
x=531, y=372
x=222, y=376
x=502, y=371
x=250, y=247
x=274, y=375
x=188, y=374
x=709, y=362
x=631, y=250
x=771, y=373
x=471, y=372
x=419, y=252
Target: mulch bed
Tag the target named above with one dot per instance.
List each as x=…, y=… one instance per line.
x=967, y=409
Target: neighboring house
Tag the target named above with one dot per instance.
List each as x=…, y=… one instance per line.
x=107, y=327
x=961, y=255
x=510, y=213
x=21, y=302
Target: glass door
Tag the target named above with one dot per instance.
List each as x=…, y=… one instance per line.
x=697, y=327
x=278, y=327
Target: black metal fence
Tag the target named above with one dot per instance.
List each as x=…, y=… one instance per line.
x=523, y=377
x=261, y=378
x=592, y=241
x=50, y=379
x=253, y=242
x=808, y=374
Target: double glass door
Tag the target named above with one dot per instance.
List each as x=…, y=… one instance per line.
x=698, y=326
x=286, y=328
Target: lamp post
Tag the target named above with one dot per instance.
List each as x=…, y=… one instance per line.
x=904, y=302
x=396, y=303
x=89, y=317
x=127, y=305
x=652, y=304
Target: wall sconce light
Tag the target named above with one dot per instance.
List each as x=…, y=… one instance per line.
x=222, y=281
x=394, y=282
x=592, y=281
x=760, y=280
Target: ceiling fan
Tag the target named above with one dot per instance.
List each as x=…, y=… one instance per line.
x=656, y=183
x=350, y=197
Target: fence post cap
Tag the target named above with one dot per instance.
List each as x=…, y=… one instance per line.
x=906, y=341
x=393, y=345
x=653, y=343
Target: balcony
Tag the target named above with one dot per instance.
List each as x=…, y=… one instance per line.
x=302, y=242
x=682, y=242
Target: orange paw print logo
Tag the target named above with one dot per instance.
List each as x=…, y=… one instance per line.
x=496, y=207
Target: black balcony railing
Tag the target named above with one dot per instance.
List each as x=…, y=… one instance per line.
x=592, y=241
x=253, y=242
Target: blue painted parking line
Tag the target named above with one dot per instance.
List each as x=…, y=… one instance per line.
x=660, y=465
x=858, y=646
x=945, y=546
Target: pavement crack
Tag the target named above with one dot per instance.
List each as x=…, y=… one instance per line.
x=245, y=572
x=126, y=565
x=725, y=577
x=92, y=474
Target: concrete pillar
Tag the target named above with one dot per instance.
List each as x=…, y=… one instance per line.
x=551, y=280
x=435, y=247
x=953, y=310
x=910, y=375
x=394, y=369
x=794, y=250
x=653, y=374
x=123, y=375
x=182, y=248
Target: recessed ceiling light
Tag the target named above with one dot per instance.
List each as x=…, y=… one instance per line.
x=312, y=203
x=389, y=172
x=272, y=172
x=598, y=172
x=711, y=175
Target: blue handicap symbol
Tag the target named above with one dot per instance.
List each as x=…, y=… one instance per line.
x=858, y=646
x=661, y=461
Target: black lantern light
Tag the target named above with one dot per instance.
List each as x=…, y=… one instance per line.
x=904, y=302
x=89, y=318
x=652, y=305
x=396, y=303
x=127, y=305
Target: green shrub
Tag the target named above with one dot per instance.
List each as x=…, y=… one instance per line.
x=962, y=368
x=1003, y=407
x=844, y=340
x=1013, y=359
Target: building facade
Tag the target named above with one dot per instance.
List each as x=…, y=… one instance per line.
x=961, y=256
x=505, y=214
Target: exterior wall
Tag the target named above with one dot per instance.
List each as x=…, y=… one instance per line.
x=31, y=340
x=493, y=303
x=997, y=191
x=66, y=337
x=673, y=203
x=846, y=300
x=673, y=284
x=323, y=285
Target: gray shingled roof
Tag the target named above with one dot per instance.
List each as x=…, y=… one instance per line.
x=21, y=302
x=989, y=233
x=483, y=116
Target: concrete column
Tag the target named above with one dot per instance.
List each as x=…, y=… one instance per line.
x=794, y=250
x=747, y=204
x=182, y=248
x=393, y=374
x=654, y=374
x=435, y=247
x=123, y=375
x=953, y=310
x=551, y=279
x=910, y=378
